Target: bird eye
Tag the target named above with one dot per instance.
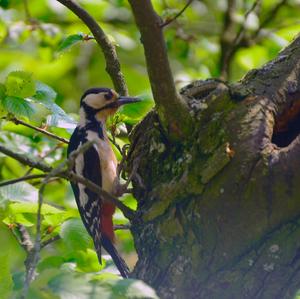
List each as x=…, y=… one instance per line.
x=108, y=95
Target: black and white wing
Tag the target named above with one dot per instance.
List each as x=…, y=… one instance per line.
x=88, y=202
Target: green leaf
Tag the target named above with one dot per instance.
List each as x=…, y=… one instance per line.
x=6, y=282
x=50, y=262
x=29, y=207
x=2, y=91
x=45, y=96
x=20, y=84
x=75, y=235
x=19, y=218
x=69, y=41
x=2, y=96
x=87, y=261
x=17, y=106
x=44, y=93
x=70, y=286
x=21, y=191
x=4, y=3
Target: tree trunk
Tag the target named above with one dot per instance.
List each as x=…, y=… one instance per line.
x=219, y=213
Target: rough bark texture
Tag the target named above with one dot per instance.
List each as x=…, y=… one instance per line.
x=219, y=213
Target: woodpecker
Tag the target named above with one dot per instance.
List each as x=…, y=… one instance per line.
x=99, y=165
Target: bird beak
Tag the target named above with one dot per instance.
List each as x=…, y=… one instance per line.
x=119, y=102
x=126, y=100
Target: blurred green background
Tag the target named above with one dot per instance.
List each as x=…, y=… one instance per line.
x=45, y=66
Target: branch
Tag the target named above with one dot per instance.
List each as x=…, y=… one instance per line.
x=42, y=157
x=122, y=226
x=25, y=160
x=226, y=38
x=128, y=213
x=230, y=48
x=45, y=132
x=177, y=15
x=242, y=31
x=71, y=176
x=34, y=254
x=271, y=15
x=171, y=108
x=23, y=178
x=109, y=51
x=23, y=237
x=49, y=241
x=27, y=11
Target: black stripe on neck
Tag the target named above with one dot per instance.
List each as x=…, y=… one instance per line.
x=94, y=126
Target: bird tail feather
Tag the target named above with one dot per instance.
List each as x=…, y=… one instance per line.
x=119, y=262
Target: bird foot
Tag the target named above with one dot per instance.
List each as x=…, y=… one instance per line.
x=120, y=189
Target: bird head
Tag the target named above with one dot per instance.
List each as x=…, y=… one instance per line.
x=99, y=103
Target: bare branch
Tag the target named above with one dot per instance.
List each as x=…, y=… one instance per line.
x=128, y=213
x=41, y=158
x=43, y=131
x=33, y=256
x=171, y=108
x=22, y=236
x=270, y=16
x=108, y=49
x=25, y=160
x=27, y=11
x=21, y=179
x=227, y=37
x=70, y=175
x=242, y=31
x=122, y=227
x=177, y=15
x=229, y=46
x=49, y=241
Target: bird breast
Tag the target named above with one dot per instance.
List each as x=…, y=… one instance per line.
x=108, y=161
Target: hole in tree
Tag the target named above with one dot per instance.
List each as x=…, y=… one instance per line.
x=287, y=125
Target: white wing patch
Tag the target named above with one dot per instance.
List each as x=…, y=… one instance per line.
x=79, y=165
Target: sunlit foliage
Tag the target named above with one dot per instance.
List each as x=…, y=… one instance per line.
x=48, y=58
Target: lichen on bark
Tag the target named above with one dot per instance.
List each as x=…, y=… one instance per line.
x=219, y=211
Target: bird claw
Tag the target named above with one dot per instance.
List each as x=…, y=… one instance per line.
x=120, y=189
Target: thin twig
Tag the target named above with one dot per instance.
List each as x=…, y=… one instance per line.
x=27, y=11
x=242, y=31
x=21, y=179
x=122, y=226
x=229, y=47
x=43, y=131
x=71, y=176
x=113, y=141
x=177, y=15
x=22, y=236
x=41, y=158
x=25, y=160
x=34, y=255
x=128, y=213
x=49, y=241
x=271, y=15
x=112, y=63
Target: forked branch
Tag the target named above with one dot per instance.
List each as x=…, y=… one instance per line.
x=171, y=109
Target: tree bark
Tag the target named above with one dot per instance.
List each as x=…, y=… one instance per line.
x=219, y=213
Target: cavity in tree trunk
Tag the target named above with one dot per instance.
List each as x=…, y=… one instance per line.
x=219, y=212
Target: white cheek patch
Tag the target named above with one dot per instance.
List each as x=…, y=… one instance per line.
x=95, y=101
